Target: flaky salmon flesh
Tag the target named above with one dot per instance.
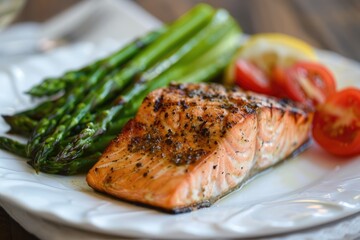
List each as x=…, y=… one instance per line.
x=191, y=144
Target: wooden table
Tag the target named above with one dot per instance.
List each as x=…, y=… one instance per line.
x=327, y=24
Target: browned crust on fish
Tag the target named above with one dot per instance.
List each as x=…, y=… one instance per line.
x=191, y=144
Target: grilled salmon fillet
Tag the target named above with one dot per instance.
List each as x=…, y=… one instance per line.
x=191, y=144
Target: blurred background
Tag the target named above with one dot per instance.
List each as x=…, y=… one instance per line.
x=328, y=24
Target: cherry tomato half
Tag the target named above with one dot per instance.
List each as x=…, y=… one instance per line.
x=336, y=125
x=306, y=82
x=250, y=77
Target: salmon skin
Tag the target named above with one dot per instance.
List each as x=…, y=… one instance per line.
x=191, y=144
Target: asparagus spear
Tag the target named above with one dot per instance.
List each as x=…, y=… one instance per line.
x=12, y=146
x=20, y=124
x=83, y=163
x=205, y=39
x=47, y=125
x=51, y=86
x=213, y=62
x=79, y=165
x=41, y=110
x=25, y=122
x=177, y=32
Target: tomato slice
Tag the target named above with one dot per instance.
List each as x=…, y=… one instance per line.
x=336, y=125
x=306, y=82
x=250, y=77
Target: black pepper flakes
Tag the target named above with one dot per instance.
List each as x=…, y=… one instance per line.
x=158, y=103
x=184, y=105
x=205, y=132
x=168, y=141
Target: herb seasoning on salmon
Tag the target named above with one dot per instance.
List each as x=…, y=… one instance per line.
x=191, y=144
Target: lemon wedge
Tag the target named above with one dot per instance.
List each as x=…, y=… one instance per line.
x=268, y=50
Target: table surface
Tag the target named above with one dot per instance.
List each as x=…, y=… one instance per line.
x=327, y=24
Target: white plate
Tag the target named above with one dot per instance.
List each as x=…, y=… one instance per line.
x=311, y=189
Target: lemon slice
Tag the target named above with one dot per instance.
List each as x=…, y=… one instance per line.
x=268, y=50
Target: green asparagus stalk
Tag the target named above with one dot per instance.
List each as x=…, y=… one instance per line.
x=46, y=125
x=20, y=124
x=12, y=146
x=177, y=32
x=23, y=123
x=221, y=26
x=52, y=86
x=83, y=163
x=213, y=62
x=114, y=128
x=41, y=110
x=79, y=165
